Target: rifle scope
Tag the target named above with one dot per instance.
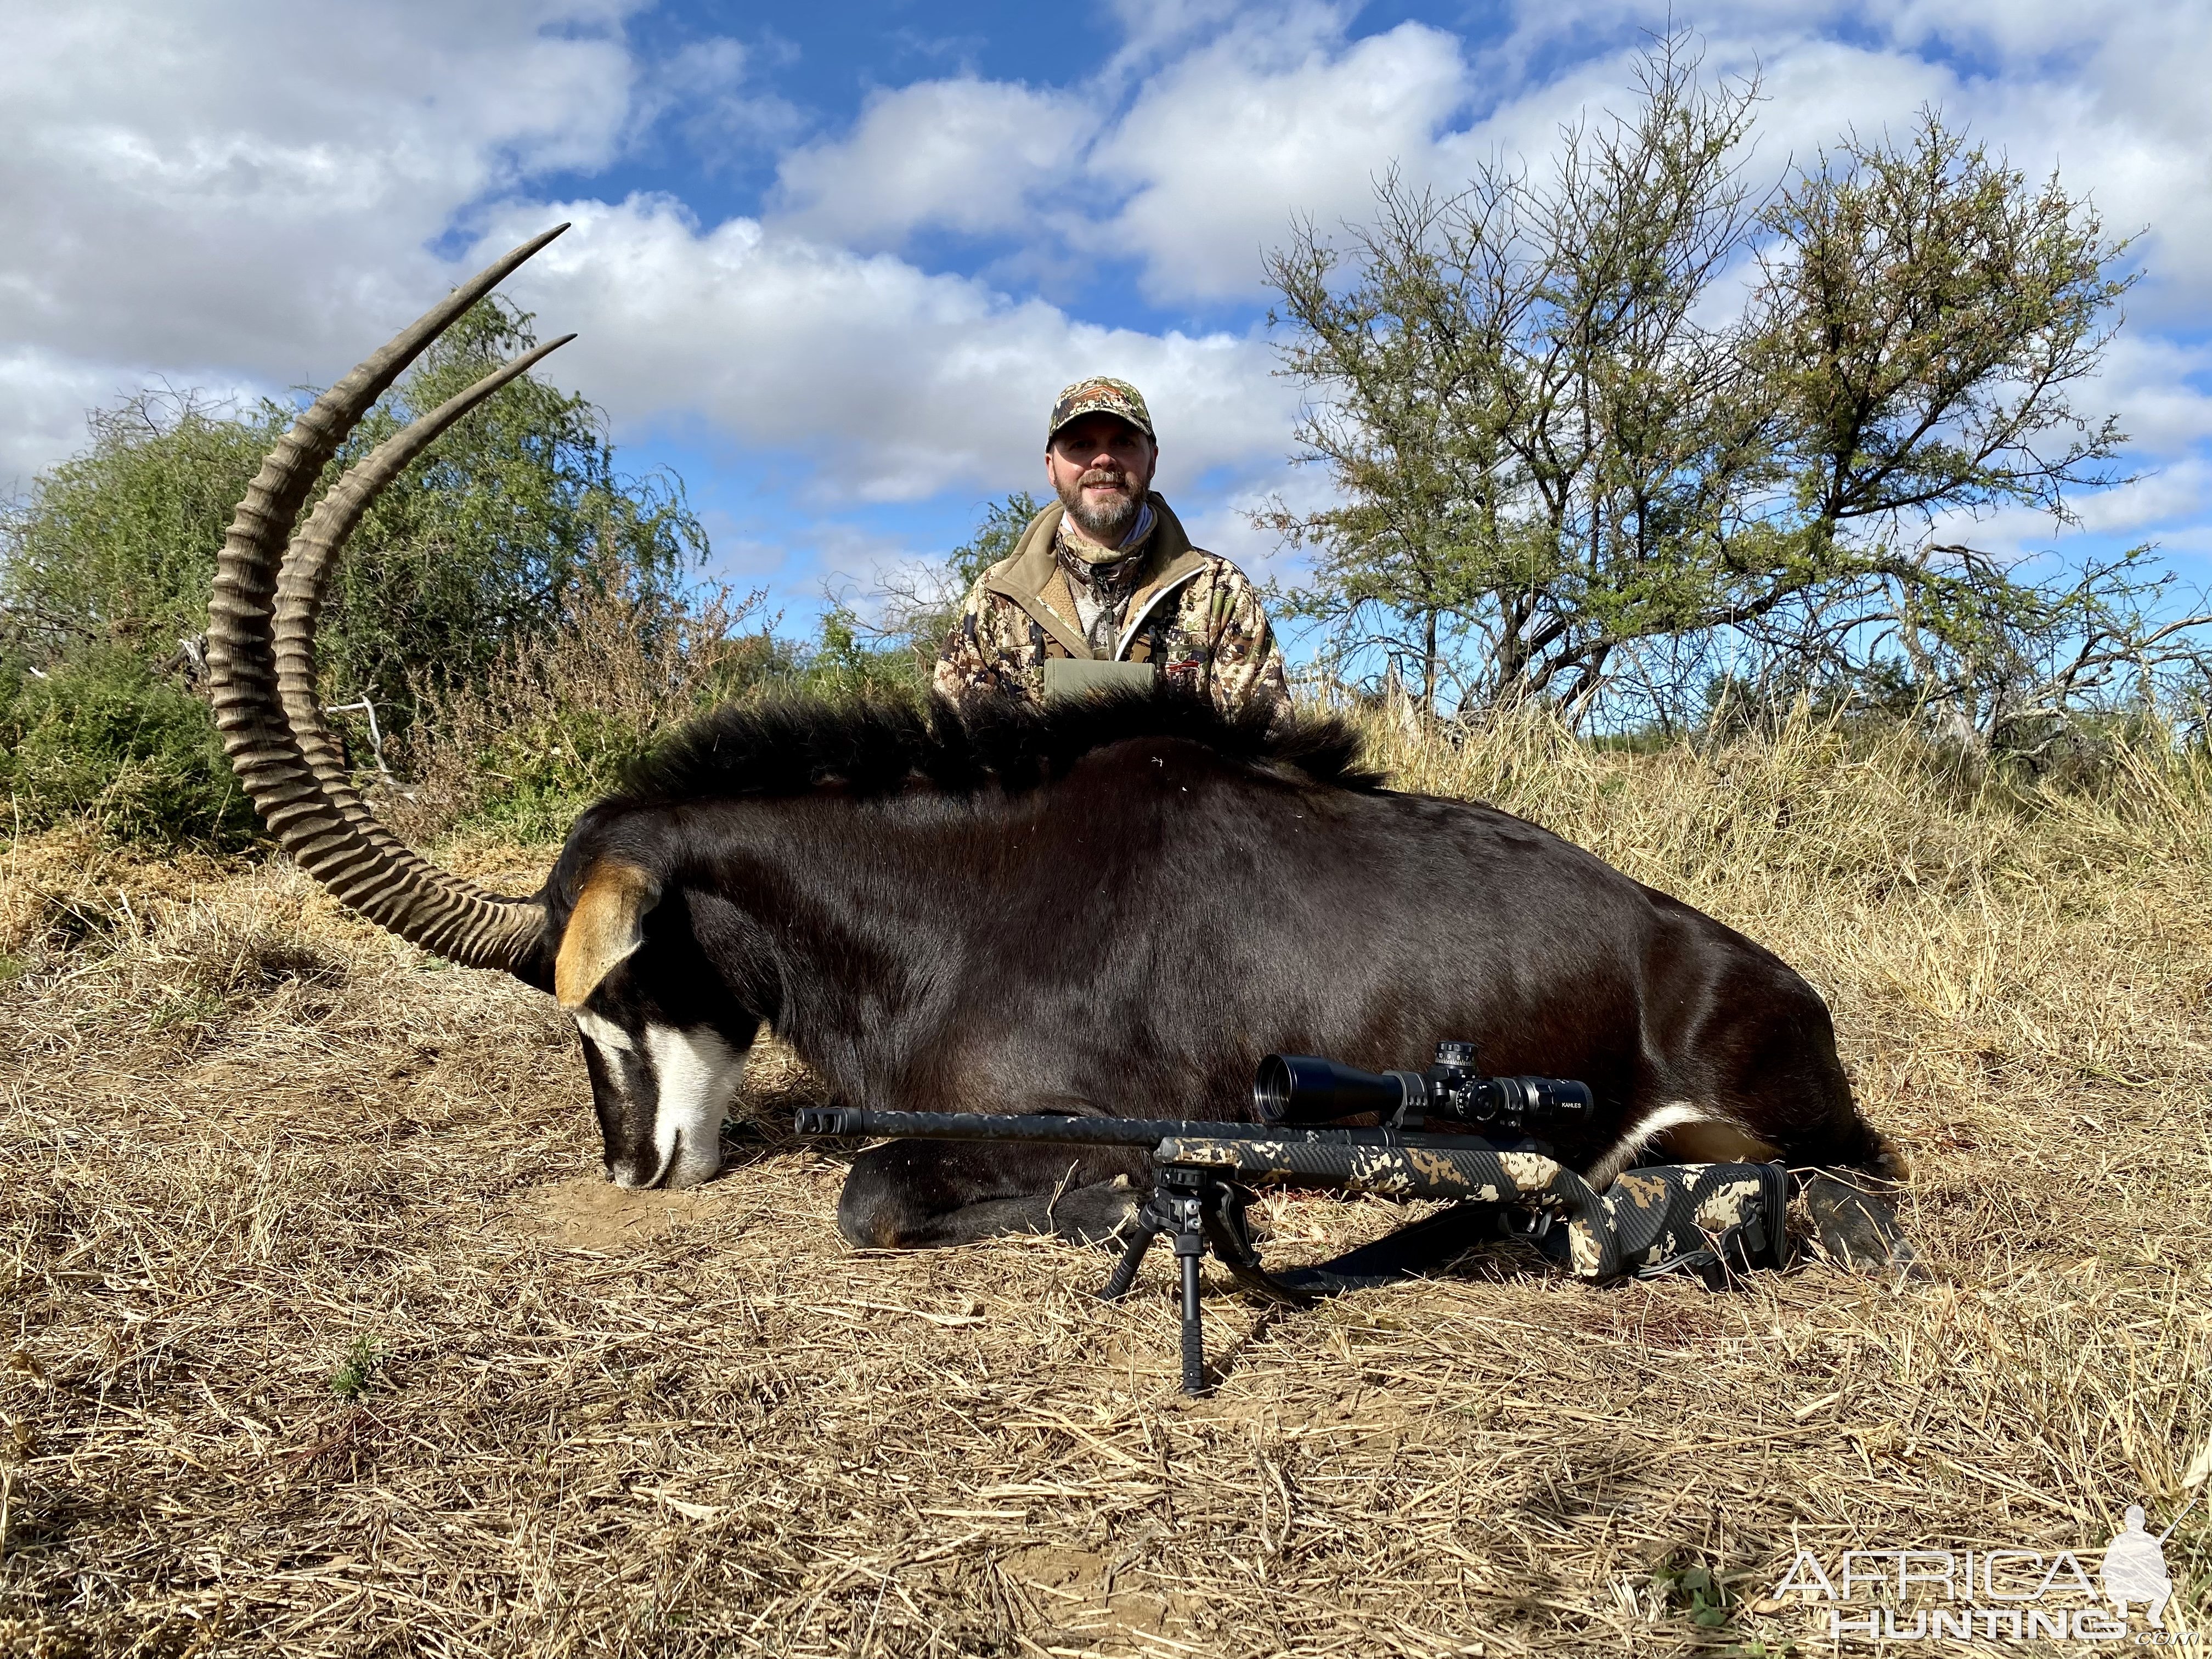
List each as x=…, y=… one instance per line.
x=1304, y=1089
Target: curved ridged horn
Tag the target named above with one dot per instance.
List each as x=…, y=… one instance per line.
x=266, y=708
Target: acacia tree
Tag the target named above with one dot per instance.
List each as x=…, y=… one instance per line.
x=514, y=524
x=1535, y=439
x=1924, y=318
x=1570, y=444
x=116, y=547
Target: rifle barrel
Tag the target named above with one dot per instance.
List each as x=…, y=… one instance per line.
x=857, y=1121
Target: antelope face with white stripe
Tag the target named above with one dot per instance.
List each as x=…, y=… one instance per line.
x=663, y=1059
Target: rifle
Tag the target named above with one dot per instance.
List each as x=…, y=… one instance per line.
x=1714, y=1220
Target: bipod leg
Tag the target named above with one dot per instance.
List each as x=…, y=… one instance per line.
x=1132, y=1257
x=1198, y=1212
x=1179, y=1209
x=1162, y=1212
x=1188, y=1248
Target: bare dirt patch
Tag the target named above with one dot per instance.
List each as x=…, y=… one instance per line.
x=320, y=1334
x=590, y=1213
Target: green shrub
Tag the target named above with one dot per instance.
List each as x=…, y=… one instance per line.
x=843, y=662
x=104, y=738
x=466, y=553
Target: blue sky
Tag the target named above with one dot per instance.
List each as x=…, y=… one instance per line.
x=830, y=262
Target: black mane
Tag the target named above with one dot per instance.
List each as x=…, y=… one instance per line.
x=790, y=745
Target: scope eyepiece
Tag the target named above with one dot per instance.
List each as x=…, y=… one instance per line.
x=1556, y=1097
x=1550, y=1101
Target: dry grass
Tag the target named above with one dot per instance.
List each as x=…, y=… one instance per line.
x=550, y=729
x=255, y=1152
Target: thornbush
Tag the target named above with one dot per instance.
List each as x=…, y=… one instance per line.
x=103, y=737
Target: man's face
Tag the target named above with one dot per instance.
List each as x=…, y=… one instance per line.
x=1100, y=467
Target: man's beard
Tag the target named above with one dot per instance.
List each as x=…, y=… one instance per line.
x=1109, y=519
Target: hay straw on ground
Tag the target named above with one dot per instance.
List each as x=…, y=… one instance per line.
x=247, y=1145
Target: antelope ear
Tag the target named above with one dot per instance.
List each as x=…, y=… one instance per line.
x=606, y=926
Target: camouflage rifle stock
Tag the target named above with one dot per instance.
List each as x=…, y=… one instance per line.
x=1713, y=1220
x=1652, y=1220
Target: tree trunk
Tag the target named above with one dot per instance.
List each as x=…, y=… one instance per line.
x=1429, y=669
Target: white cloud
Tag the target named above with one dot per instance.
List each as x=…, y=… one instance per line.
x=2166, y=495
x=902, y=382
x=230, y=193
x=2112, y=95
x=967, y=155
x=2146, y=382
x=708, y=91
x=1274, y=115
x=1273, y=119
x=242, y=200
x=1150, y=29
x=251, y=196
x=1280, y=112
x=47, y=396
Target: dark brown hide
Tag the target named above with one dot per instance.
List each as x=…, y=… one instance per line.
x=1119, y=909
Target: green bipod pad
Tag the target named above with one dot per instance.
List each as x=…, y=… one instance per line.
x=1711, y=1220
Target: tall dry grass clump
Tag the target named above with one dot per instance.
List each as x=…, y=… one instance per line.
x=324, y=1334
x=1972, y=905
x=552, y=725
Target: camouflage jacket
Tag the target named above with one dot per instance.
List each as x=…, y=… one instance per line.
x=1191, y=611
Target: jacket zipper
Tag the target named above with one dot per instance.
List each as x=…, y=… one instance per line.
x=1129, y=634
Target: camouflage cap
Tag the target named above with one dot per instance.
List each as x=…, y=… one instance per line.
x=1101, y=396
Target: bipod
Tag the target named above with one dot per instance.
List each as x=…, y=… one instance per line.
x=1199, y=1211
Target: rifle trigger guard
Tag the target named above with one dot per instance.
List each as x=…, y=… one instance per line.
x=1231, y=1240
x=1530, y=1224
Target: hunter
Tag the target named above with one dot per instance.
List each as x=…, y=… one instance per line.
x=1106, y=574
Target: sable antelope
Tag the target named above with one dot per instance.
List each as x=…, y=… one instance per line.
x=1112, y=907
